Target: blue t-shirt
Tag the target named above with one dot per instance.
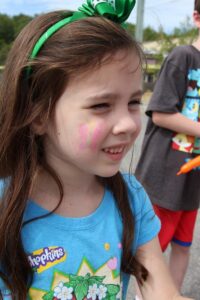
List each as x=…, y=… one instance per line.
x=80, y=258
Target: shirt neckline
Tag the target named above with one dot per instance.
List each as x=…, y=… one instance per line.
x=34, y=210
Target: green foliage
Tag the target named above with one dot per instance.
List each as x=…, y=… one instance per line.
x=19, y=22
x=185, y=28
x=150, y=34
x=7, y=32
x=167, y=45
x=130, y=28
x=9, y=29
x=184, y=34
x=4, y=49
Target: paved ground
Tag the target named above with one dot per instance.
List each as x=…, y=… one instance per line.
x=191, y=285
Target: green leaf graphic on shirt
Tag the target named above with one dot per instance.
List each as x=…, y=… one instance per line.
x=81, y=285
x=81, y=290
x=48, y=296
x=111, y=298
x=112, y=289
x=70, y=284
x=96, y=279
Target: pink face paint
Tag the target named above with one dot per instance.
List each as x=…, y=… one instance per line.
x=95, y=137
x=89, y=135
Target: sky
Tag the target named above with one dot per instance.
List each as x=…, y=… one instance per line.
x=166, y=13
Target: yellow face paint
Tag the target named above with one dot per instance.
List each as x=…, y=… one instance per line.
x=89, y=135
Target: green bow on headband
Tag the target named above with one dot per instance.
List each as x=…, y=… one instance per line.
x=115, y=10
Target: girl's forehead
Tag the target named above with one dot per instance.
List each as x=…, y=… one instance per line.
x=123, y=59
x=120, y=76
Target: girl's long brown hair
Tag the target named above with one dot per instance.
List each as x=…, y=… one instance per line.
x=77, y=47
x=197, y=5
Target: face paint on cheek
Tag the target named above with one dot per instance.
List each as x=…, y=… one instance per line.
x=90, y=135
x=96, y=136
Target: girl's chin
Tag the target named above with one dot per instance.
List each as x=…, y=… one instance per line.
x=108, y=173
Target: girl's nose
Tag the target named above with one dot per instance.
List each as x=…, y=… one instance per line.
x=127, y=124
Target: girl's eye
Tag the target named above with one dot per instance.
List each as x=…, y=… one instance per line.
x=135, y=104
x=100, y=107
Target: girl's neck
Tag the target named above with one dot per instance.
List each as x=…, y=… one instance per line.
x=81, y=196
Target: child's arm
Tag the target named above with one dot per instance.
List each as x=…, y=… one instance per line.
x=159, y=284
x=176, y=122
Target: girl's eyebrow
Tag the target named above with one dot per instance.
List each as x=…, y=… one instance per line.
x=137, y=94
x=113, y=96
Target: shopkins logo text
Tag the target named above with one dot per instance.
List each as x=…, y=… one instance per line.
x=45, y=258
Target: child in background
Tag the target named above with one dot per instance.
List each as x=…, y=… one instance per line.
x=72, y=226
x=173, y=137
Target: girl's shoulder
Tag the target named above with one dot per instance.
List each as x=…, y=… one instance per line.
x=138, y=198
x=147, y=224
x=132, y=183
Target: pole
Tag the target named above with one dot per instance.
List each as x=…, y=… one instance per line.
x=140, y=20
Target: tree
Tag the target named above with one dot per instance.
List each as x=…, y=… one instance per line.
x=130, y=28
x=186, y=32
x=19, y=22
x=4, y=49
x=7, y=31
x=150, y=34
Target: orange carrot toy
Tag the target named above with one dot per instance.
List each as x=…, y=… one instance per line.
x=187, y=167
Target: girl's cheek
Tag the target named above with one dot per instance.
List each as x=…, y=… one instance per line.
x=83, y=136
x=90, y=135
x=96, y=137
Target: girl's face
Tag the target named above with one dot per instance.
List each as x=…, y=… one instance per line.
x=97, y=119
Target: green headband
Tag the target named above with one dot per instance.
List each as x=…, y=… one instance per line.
x=115, y=10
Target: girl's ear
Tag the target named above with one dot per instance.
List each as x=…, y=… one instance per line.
x=39, y=126
x=196, y=18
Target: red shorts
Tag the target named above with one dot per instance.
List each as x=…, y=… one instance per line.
x=176, y=226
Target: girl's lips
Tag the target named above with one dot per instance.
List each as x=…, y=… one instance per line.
x=115, y=153
x=114, y=150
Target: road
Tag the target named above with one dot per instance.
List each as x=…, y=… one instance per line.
x=191, y=285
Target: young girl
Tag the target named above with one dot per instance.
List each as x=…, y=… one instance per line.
x=71, y=226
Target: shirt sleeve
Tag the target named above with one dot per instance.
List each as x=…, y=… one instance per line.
x=171, y=84
x=147, y=224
